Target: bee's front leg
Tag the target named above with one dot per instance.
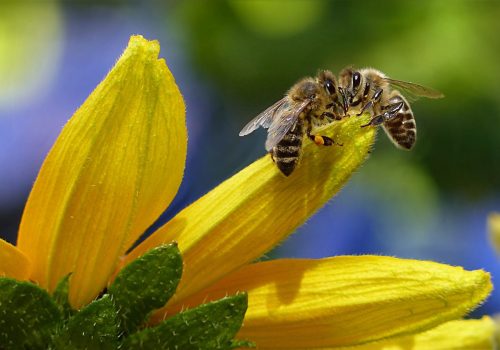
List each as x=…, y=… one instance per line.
x=375, y=98
x=390, y=112
x=330, y=116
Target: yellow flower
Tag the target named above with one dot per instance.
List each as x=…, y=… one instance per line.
x=117, y=165
x=453, y=335
x=494, y=230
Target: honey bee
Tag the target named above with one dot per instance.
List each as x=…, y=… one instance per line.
x=370, y=89
x=309, y=103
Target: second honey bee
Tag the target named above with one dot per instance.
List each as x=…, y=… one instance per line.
x=369, y=89
x=310, y=102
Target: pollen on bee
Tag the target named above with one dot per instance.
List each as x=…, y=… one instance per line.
x=319, y=140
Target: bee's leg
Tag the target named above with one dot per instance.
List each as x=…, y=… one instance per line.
x=336, y=109
x=329, y=116
x=344, y=104
x=375, y=98
x=319, y=139
x=390, y=112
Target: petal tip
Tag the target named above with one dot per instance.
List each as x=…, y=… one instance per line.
x=484, y=279
x=138, y=44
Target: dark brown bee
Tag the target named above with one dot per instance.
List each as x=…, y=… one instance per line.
x=309, y=103
x=369, y=89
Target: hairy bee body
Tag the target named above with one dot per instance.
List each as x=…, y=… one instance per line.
x=315, y=101
x=310, y=102
x=286, y=154
x=371, y=90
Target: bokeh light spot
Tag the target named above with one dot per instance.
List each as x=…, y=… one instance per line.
x=275, y=18
x=28, y=33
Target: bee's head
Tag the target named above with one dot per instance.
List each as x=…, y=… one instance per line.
x=334, y=92
x=350, y=80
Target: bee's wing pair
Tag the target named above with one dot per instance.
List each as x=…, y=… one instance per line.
x=414, y=91
x=278, y=119
x=401, y=128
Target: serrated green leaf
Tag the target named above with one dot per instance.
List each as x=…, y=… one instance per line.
x=93, y=327
x=209, y=326
x=60, y=296
x=28, y=315
x=146, y=284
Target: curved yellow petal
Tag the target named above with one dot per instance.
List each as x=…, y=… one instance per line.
x=115, y=167
x=254, y=210
x=345, y=301
x=13, y=263
x=494, y=230
x=453, y=335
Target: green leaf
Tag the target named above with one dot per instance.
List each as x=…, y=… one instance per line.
x=28, y=315
x=60, y=296
x=237, y=344
x=209, y=326
x=146, y=284
x=93, y=327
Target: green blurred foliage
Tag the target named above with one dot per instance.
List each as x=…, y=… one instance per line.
x=254, y=50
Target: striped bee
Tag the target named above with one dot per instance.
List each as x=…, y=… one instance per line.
x=369, y=89
x=309, y=103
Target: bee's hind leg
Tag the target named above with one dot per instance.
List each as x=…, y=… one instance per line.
x=320, y=140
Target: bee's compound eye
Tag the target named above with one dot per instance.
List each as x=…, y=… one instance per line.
x=356, y=80
x=330, y=87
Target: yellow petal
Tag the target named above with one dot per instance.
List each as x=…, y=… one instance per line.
x=494, y=230
x=453, y=335
x=345, y=301
x=13, y=263
x=254, y=210
x=115, y=167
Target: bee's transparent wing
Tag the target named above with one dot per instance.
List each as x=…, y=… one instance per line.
x=415, y=90
x=264, y=119
x=285, y=118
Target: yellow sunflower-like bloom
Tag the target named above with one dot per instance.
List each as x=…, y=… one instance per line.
x=118, y=164
x=453, y=335
x=494, y=230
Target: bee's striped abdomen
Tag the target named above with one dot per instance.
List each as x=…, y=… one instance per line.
x=401, y=129
x=287, y=152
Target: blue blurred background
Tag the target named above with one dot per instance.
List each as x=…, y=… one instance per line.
x=232, y=59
